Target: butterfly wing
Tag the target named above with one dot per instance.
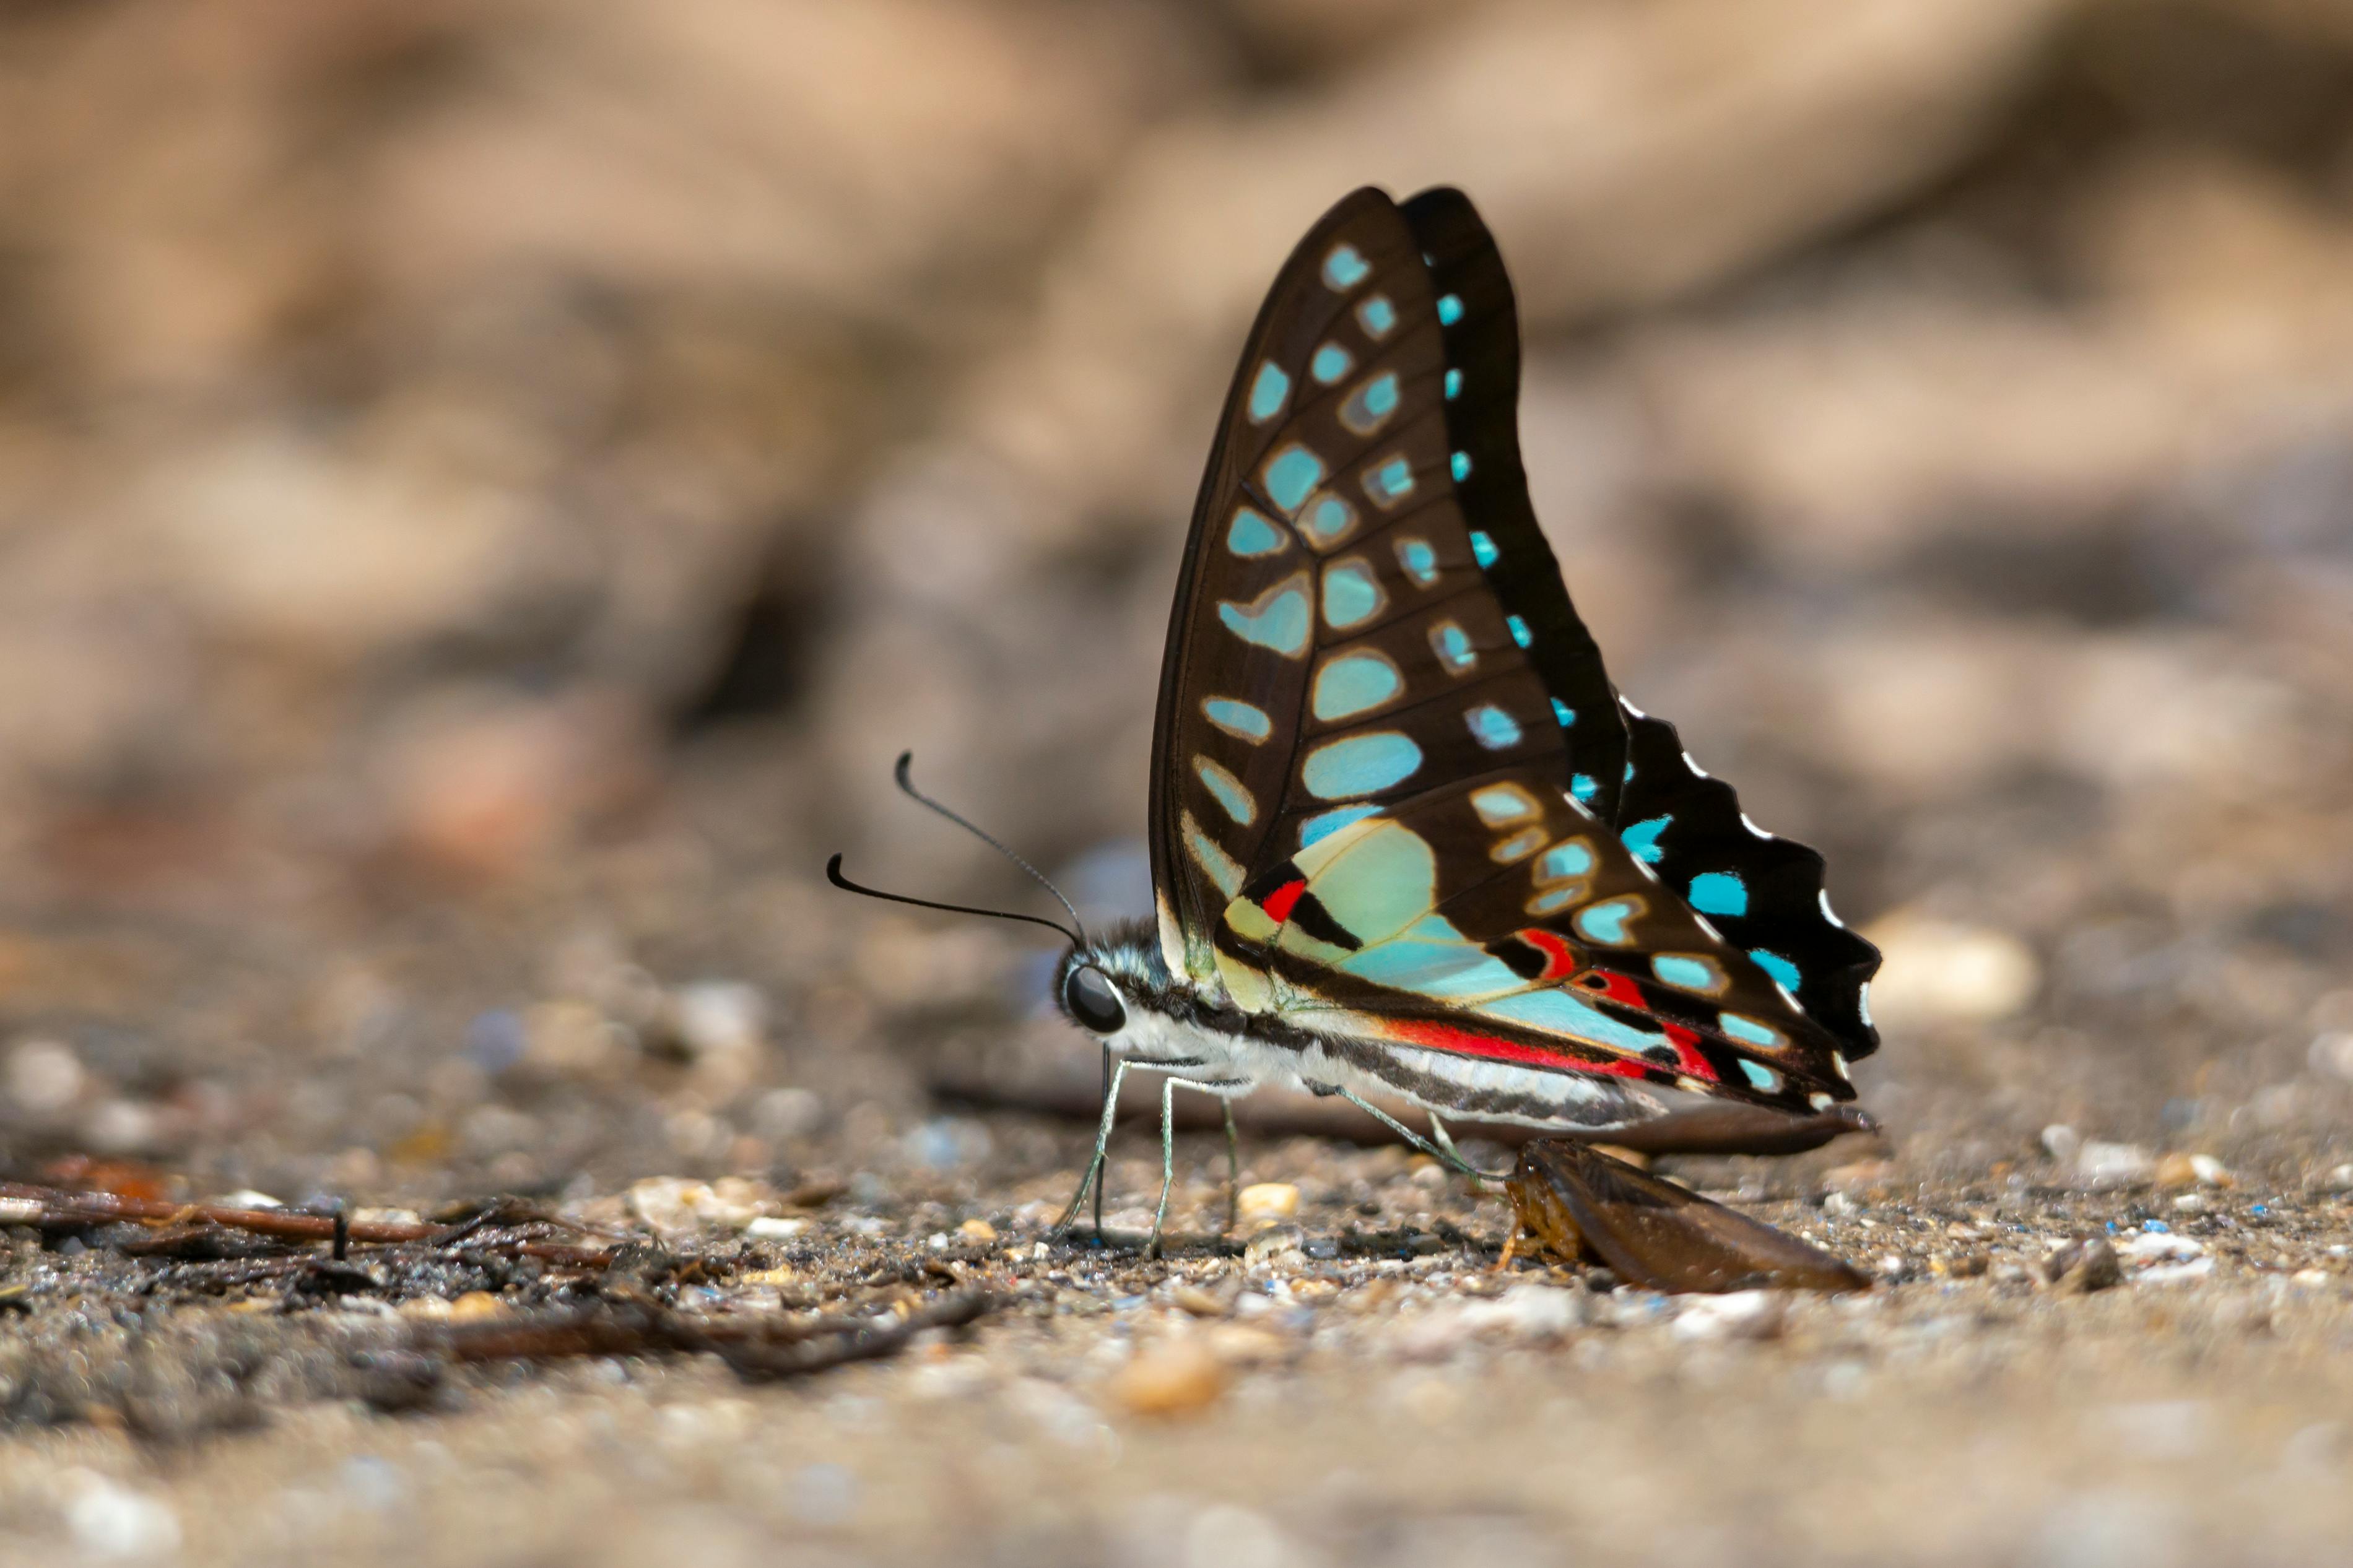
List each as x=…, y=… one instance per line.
x=1394, y=793
x=1334, y=589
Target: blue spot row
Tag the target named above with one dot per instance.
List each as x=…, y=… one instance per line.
x=1779, y=967
x=1345, y=269
x=1267, y=393
x=1482, y=550
x=1454, y=384
x=1519, y=633
x=1719, y=893
x=1449, y=309
x=1564, y=712
x=1492, y=727
x=1462, y=465
x=1643, y=838
x=1330, y=363
x=1291, y=474
x=1359, y=765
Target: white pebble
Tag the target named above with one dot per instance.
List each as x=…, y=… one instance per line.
x=1735, y=1315
x=2109, y=1165
x=44, y=1076
x=116, y=1525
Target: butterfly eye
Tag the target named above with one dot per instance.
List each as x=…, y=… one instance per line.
x=1092, y=1001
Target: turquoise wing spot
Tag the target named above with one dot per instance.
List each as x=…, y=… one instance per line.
x=1740, y=1026
x=1268, y=393
x=1564, y=712
x=1449, y=309
x=1582, y=786
x=1519, y=629
x=1452, y=646
x=1278, y=619
x=1388, y=482
x=1355, y=683
x=1327, y=521
x=1461, y=463
x=1551, y=900
x=1239, y=719
x=1500, y=806
x=1375, y=882
x=1430, y=958
x=1492, y=727
x=1343, y=269
x=1291, y=474
x=1687, y=973
x=1376, y=316
x=1359, y=765
x=1352, y=594
x=1420, y=561
x=1330, y=363
x=1518, y=846
x=1643, y=838
x=1760, y=1075
x=1369, y=406
x=1564, y=862
x=1558, y=1013
x=1225, y=873
x=1454, y=384
x=1719, y=893
x=1228, y=791
x=1605, y=923
x=1253, y=534
x=1325, y=824
x=1482, y=550
x=1784, y=973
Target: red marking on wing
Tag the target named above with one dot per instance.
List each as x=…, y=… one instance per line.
x=1559, y=962
x=1462, y=1042
x=1686, y=1044
x=1618, y=989
x=1279, y=904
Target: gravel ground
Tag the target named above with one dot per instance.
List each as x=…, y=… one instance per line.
x=2181, y=1397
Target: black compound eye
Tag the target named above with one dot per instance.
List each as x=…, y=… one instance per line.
x=1092, y=1000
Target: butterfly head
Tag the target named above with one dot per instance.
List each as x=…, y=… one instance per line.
x=1116, y=987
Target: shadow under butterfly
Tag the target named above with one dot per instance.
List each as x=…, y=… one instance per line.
x=1408, y=842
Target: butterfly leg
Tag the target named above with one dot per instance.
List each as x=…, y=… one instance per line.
x=1094, y=1164
x=1168, y=1145
x=1445, y=1156
x=1233, y=1168
x=1107, y=1095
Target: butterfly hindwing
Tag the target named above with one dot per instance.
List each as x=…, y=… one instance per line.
x=1498, y=918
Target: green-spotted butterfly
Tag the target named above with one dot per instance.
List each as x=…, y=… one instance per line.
x=1406, y=840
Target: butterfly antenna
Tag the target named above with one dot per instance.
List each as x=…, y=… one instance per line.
x=907, y=786
x=833, y=874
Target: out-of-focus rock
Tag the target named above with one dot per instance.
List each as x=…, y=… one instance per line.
x=1735, y=1315
x=44, y=1076
x=2332, y=1054
x=1267, y=1202
x=2105, y=1167
x=2081, y=1267
x=1174, y=1377
x=1944, y=972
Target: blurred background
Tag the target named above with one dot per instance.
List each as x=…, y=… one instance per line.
x=487, y=489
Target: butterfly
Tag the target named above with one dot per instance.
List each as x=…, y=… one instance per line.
x=1407, y=841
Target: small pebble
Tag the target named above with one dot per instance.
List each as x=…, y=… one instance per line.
x=1176, y=1377
x=1267, y=1201
x=1281, y=1241
x=1735, y=1315
x=978, y=1230
x=2106, y=1167
x=2083, y=1266
x=779, y=1227
x=114, y=1524
x=475, y=1306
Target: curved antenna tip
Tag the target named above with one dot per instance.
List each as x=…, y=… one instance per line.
x=899, y=769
